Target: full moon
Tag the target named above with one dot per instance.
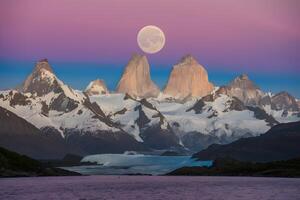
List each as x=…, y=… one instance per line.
x=151, y=39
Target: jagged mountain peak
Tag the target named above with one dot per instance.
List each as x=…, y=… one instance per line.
x=42, y=80
x=136, y=80
x=244, y=89
x=96, y=87
x=243, y=82
x=283, y=100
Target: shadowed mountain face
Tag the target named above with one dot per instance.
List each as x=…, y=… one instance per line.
x=280, y=143
x=18, y=135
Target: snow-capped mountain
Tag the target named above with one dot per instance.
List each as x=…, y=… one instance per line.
x=139, y=118
x=243, y=89
x=282, y=106
x=63, y=111
x=100, y=122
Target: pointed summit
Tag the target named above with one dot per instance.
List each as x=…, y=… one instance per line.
x=136, y=80
x=96, y=87
x=243, y=89
x=188, y=79
x=42, y=79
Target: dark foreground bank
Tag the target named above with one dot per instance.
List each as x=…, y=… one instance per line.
x=231, y=167
x=15, y=165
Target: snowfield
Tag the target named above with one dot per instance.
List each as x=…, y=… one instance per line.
x=216, y=119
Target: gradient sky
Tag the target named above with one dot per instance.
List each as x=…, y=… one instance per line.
x=88, y=39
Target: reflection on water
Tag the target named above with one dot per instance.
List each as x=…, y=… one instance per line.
x=149, y=188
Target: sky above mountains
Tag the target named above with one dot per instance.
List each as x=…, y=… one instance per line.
x=85, y=40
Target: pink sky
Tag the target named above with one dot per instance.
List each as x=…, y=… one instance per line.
x=235, y=33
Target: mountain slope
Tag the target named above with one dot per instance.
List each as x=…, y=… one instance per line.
x=18, y=135
x=281, y=142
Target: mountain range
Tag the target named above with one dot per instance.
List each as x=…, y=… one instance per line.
x=46, y=118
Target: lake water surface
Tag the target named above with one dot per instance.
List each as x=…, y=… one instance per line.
x=149, y=187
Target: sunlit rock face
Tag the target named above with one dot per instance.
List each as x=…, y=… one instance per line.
x=243, y=89
x=136, y=80
x=96, y=87
x=188, y=79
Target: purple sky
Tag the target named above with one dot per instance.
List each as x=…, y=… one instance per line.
x=242, y=35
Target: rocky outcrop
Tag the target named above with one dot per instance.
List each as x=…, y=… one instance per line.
x=136, y=80
x=243, y=89
x=96, y=87
x=188, y=79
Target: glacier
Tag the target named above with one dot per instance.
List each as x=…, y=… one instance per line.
x=121, y=164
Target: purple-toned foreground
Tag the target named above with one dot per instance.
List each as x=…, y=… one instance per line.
x=149, y=187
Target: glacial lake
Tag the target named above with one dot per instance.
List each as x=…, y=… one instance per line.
x=122, y=164
x=149, y=188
